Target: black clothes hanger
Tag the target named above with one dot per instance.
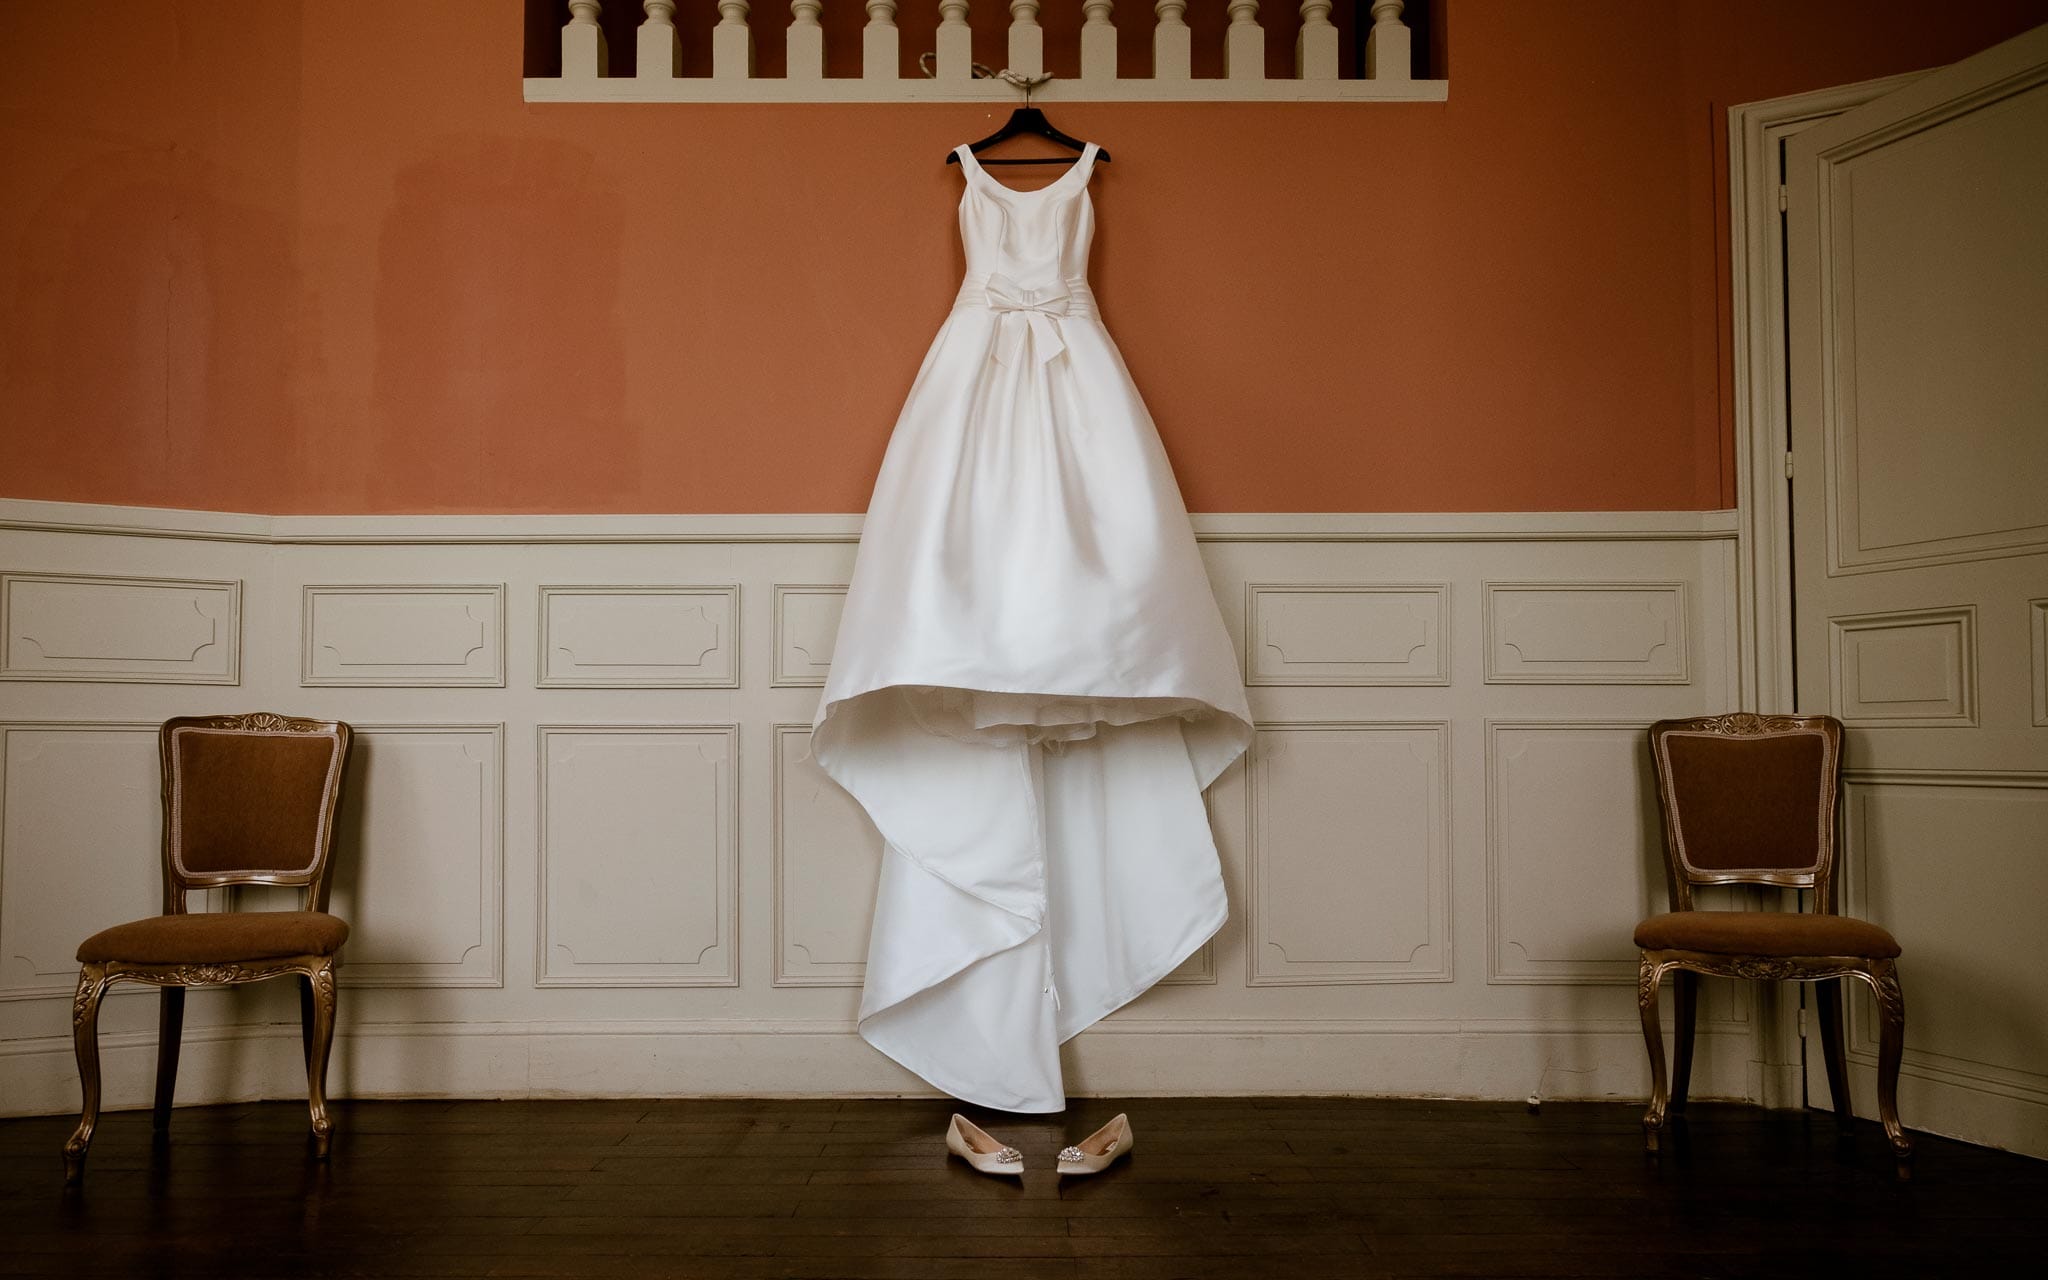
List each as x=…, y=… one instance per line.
x=1028, y=121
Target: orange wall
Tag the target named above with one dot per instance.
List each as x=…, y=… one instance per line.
x=298, y=256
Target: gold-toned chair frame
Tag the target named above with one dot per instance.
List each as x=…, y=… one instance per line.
x=1667, y=1095
x=316, y=972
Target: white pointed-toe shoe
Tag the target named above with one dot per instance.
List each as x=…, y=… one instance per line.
x=981, y=1151
x=1099, y=1149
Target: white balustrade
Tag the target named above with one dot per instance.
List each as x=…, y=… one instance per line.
x=1172, y=43
x=583, y=52
x=732, y=42
x=1027, y=39
x=1098, y=41
x=805, y=59
x=1386, y=49
x=951, y=74
x=879, y=42
x=660, y=48
x=1315, y=44
x=954, y=42
x=1244, y=43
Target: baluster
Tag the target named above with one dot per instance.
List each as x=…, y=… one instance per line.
x=661, y=52
x=1027, y=38
x=955, y=43
x=1171, y=48
x=1315, y=45
x=583, y=51
x=1244, y=43
x=1098, y=41
x=1386, y=49
x=732, y=42
x=805, y=50
x=878, y=42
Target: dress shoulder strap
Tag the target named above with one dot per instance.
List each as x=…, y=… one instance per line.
x=1086, y=164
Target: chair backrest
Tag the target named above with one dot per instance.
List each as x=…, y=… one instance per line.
x=250, y=799
x=1749, y=799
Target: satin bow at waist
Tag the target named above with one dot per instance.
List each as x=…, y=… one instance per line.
x=1021, y=312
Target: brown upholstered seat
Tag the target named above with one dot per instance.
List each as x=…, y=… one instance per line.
x=1765, y=933
x=1752, y=799
x=248, y=800
x=217, y=937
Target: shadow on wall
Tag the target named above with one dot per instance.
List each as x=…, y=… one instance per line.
x=478, y=290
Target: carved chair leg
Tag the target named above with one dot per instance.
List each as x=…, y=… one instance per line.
x=85, y=1039
x=318, y=994
x=1649, y=978
x=1685, y=990
x=1891, y=1047
x=306, y=1017
x=1828, y=1009
x=170, y=1028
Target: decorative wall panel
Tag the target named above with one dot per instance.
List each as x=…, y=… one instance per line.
x=80, y=844
x=1586, y=633
x=67, y=626
x=1198, y=970
x=1933, y=432
x=806, y=627
x=1903, y=669
x=827, y=859
x=1349, y=862
x=639, y=856
x=2037, y=669
x=650, y=637
x=571, y=909
x=1953, y=864
x=419, y=866
x=1572, y=861
x=1347, y=633
x=403, y=635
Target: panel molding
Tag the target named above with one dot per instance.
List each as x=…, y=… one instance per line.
x=796, y=665
x=482, y=962
x=1862, y=1030
x=1501, y=968
x=1842, y=633
x=567, y=673
x=1846, y=551
x=1435, y=923
x=480, y=664
x=1364, y=667
x=553, y=971
x=222, y=631
x=1344, y=873
x=1593, y=669
x=149, y=855
x=2037, y=671
x=110, y=520
x=810, y=970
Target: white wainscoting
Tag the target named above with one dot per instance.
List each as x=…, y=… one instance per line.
x=585, y=851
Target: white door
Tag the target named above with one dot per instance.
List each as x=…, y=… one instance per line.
x=1917, y=322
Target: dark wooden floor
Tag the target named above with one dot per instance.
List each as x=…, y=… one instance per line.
x=1266, y=1188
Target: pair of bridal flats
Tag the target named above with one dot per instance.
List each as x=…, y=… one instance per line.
x=1091, y=1154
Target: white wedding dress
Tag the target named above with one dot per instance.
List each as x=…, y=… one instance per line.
x=1032, y=684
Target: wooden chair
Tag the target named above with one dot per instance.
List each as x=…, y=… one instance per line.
x=248, y=799
x=1750, y=799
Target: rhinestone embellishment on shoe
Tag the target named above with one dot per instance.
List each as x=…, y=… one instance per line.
x=1071, y=1154
x=1009, y=1155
